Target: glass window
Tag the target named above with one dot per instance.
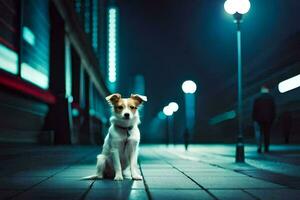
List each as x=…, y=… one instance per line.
x=9, y=36
x=35, y=42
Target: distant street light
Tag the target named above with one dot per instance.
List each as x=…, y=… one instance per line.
x=189, y=88
x=174, y=106
x=169, y=111
x=237, y=8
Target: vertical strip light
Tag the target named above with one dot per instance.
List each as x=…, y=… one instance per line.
x=112, y=53
x=68, y=68
x=95, y=25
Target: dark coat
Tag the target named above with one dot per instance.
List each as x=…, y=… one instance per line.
x=264, y=110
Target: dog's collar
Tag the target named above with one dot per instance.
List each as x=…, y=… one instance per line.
x=124, y=128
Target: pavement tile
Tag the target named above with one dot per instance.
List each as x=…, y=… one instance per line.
x=19, y=183
x=157, y=161
x=294, y=184
x=231, y=195
x=156, y=166
x=183, y=162
x=76, y=172
x=213, y=169
x=214, y=174
x=161, y=172
x=289, y=181
x=170, y=182
x=45, y=172
x=55, y=194
x=4, y=194
x=158, y=194
x=83, y=166
x=116, y=194
x=65, y=182
x=234, y=182
x=111, y=184
x=277, y=194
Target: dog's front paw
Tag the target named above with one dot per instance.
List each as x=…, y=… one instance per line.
x=118, y=177
x=137, y=177
x=127, y=176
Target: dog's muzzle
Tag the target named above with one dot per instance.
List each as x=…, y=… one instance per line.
x=126, y=116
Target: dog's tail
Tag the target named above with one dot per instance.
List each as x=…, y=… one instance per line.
x=91, y=177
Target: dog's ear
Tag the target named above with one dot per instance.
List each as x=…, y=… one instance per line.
x=113, y=98
x=139, y=98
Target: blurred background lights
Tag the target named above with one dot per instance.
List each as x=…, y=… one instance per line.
x=189, y=87
x=168, y=111
x=174, y=106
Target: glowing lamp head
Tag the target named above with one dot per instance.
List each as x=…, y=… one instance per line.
x=237, y=6
x=189, y=87
x=174, y=106
x=168, y=111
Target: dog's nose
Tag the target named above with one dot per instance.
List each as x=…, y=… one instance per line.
x=126, y=115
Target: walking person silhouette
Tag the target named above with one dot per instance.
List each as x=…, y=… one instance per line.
x=264, y=113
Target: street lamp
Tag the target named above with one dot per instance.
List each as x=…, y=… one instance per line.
x=189, y=88
x=174, y=106
x=237, y=8
x=169, y=110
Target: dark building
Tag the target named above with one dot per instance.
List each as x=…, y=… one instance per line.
x=52, y=71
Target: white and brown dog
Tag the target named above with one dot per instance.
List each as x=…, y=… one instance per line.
x=120, y=149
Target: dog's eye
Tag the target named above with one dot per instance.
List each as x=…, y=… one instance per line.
x=120, y=107
x=132, y=107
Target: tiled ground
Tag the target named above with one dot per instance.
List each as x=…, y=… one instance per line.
x=45, y=172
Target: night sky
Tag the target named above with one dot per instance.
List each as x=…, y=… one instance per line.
x=169, y=41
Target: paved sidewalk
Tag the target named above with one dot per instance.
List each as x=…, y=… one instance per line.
x=205, y=172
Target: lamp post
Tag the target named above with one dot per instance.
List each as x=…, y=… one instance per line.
x=189, y=88
x=237, y=8
x=174, y=106
x=168, y=112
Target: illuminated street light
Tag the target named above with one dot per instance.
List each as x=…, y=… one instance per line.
x=112, y=45
x=168, y=111
x=237, y=8
x=289, y=84
x=189, y=87
x=174, y=106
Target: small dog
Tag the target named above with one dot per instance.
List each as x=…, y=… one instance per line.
x=120, y=149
